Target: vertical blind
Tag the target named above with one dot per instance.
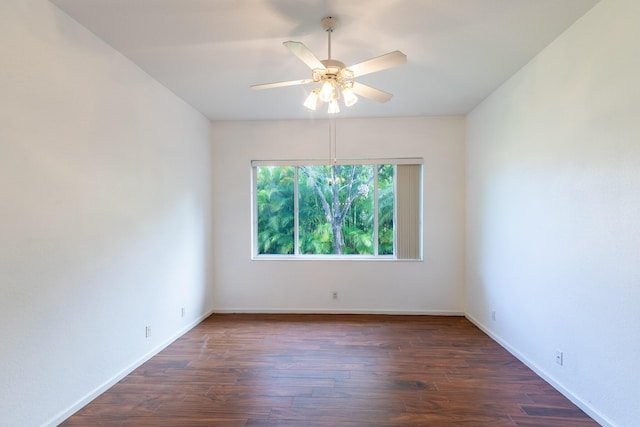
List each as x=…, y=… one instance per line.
x=409, y=211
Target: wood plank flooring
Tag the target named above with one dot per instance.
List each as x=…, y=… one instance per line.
x=285, y=370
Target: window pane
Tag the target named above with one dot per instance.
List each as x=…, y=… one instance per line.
x=385, y=209
x=357, y=228
x=274, y=195
x=336, y=209
x=314, y=230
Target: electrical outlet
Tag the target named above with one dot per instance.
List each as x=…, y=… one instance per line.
x=334, y=295
x=493, y=316
x=147, y=331
x=559, y=358
x=182, y=312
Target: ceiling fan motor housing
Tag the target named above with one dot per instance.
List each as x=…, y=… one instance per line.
x=333, y=67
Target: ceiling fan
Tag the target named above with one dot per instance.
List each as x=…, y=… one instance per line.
x=336, y=80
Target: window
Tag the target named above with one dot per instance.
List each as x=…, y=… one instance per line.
x=366, y=209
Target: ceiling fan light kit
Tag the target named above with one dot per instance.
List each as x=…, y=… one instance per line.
x=335, y=79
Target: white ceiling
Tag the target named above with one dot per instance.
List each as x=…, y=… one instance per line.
x=209, y=52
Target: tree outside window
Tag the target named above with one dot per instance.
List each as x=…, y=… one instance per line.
x=340, y=209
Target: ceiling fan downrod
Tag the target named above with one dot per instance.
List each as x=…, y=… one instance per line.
x=328, y=24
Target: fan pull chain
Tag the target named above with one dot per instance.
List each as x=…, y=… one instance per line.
x=335, y=142
x=332, y=147
x=332, y=142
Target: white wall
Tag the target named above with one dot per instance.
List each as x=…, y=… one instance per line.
x=104, y=214
x=432, y=286
x=554, y=212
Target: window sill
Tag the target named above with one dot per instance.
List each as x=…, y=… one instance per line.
x=358, y=258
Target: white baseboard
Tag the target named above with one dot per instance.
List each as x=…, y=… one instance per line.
x=598, y=417
x=343, y=311
x=58, y=419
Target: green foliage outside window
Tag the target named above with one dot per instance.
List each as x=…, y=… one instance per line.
x=385, y=210
x=335, y=209
x=275, y=210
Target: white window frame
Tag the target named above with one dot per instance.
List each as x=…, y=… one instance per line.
x=316, y=162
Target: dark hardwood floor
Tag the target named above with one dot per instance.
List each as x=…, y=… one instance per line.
x=332, y=370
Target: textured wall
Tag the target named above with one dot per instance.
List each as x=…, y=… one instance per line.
x=434, y=285
x=104, y=214
x=553, y=172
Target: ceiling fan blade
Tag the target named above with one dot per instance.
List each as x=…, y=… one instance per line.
x=391, y=59
x=282, y=84
x=371, y=92
x=305, y=55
